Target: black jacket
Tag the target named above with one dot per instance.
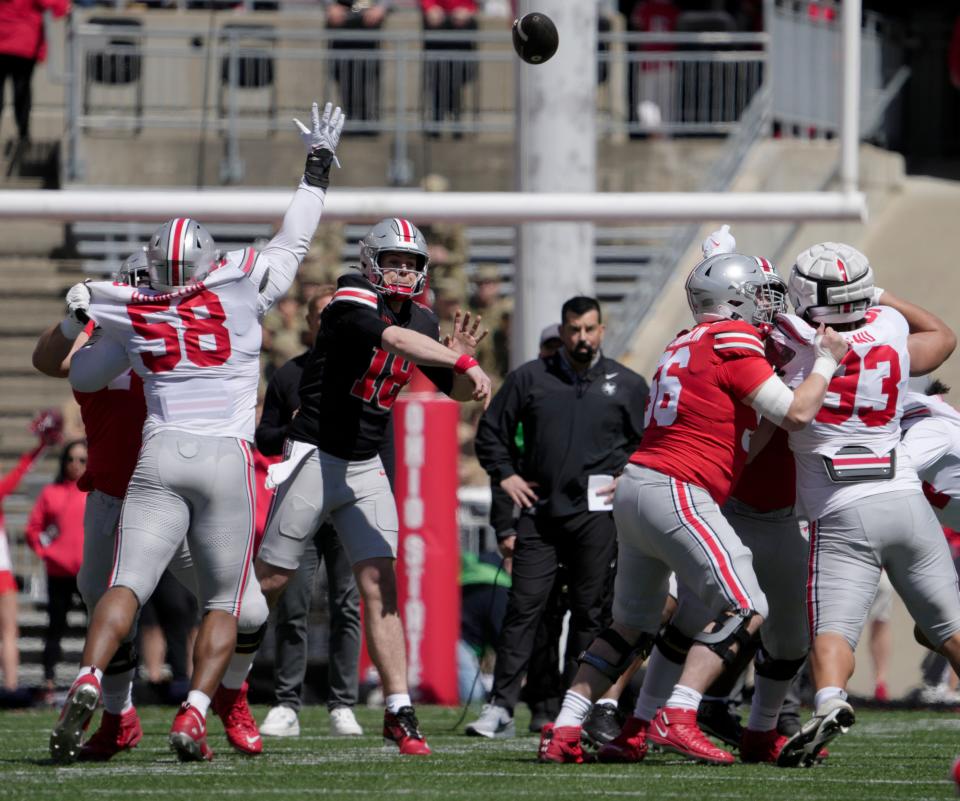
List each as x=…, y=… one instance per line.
x=573, y=427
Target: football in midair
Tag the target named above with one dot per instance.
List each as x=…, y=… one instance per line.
x=535, y=37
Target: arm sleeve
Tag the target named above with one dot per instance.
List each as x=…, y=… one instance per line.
x=635, y=412
x=282, y=255
x=97, y=364
x=36, y=523
x=501, y=512
x=494, y=444
x=927, y=442
x=272, y=429
x=11, y=480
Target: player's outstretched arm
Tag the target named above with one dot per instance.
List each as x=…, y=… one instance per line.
x=794, y=410
x=287, y=249
x=931, y=340
x=471, y=383
x=57, y=344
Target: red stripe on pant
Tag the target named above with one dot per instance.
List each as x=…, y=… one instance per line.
x=811, y=578
x=701, y=528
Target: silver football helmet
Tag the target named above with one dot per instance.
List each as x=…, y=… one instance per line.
x=134, y=271
x=397, y=236
x=181, y=252
x=831, y=283
x=730, y=286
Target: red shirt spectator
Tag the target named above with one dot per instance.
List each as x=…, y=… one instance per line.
x=21, y=26
x=55, y=526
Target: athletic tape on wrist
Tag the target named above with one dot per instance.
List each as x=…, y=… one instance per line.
x=464, y=363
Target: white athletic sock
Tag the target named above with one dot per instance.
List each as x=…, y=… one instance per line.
x=658, y=682
x=396, y=701
x=768, y=695
x=87, y=670
x=199, y=701
x=826, y=694
x=607, y=702
x=237, y=670
x=684, y=698
x=574, y=710
x=116, y=688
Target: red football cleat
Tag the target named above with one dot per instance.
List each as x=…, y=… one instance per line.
x=403, y=729
x=761, y=746
x=74, y=718
x=676, y=730
x=955, y=772
x=238, y=723
x=188, y=735
x=116, y=733
x=628, y=746
x=561, y=744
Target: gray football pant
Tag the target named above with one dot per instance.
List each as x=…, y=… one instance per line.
x=355, y=496
x=291, y=625
x=100, y=520
x=197, y=490
x=898, y=532
x=666, y=525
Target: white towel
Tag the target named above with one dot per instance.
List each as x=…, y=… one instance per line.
x=281, y=471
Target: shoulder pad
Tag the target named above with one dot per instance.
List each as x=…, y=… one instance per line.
x=735, y=339
x=356, y=289
x=796, y=329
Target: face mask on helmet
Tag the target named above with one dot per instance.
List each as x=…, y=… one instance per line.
x=181, y=252
x=831, y=283
x=394, y=236
x=134, y=271
x=772, y=296
x=728, y=286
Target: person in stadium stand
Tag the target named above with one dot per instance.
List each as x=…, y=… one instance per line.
x=113, y=418
x=200, y=372
x=54, y=531
x=47, y=427
x=709, y=386
x=581, y=416
x=864, y=502
x=279, y=406
x=371, y=336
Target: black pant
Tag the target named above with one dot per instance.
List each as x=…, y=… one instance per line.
x=445, y=78
x=20, y=72
x=174, y=609
x=587, y=544
x=60, y=592
x=358, y=78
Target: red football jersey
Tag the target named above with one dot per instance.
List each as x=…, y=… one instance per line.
x=697, y=430
x=769, y=482
x=113, y=418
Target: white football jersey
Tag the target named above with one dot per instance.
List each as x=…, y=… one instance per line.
x=197, y=349
x=863, y=408
x=932, y=441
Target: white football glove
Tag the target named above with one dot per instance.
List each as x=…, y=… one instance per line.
x=78, y=303
x=721, y=241
x=326, y=131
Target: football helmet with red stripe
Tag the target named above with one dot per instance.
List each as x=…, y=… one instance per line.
x=730, y=286
x=831, y=283
x=181, y=252
x=134, y=271
x=393, y=235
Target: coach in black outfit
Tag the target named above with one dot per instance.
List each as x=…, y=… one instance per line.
x=582, y=415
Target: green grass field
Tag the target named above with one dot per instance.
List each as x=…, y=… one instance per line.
x=887, y=755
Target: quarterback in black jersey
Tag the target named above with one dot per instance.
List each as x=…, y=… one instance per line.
x=371, y=336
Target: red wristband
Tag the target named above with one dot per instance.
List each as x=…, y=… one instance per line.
x=464, y=363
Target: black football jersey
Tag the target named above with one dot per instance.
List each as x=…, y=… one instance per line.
x=350, y=383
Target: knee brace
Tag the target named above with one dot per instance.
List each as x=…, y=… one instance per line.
x=123, y=660
x=673, y=644
x=626, y=653
x=249, y=642
x=729, y=631
x=777, y=669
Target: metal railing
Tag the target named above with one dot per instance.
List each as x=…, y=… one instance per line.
x=239, y=80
